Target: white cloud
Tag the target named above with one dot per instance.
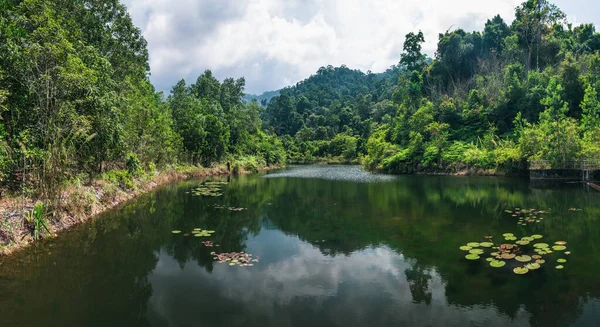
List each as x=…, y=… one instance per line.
x=274, y=43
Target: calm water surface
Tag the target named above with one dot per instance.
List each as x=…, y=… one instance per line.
x=337, y=247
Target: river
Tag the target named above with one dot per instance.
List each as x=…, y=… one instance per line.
x=326, y=246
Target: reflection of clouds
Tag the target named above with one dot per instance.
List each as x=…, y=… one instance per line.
x=340, y=173
x=301, y=286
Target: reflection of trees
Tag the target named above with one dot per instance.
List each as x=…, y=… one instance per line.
x=418, y=278
x=424, y=218
x=427, y=218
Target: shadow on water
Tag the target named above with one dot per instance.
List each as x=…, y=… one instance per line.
x=337, y=247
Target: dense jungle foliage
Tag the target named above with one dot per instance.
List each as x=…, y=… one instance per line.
x=497, y=100
x=76, y=101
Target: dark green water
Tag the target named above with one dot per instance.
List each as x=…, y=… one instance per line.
x=337, y=247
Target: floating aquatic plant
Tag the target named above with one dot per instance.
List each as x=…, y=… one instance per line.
x=526, y=216
x=520, y=270
x=497, y=263
x=472, y=256
x=176, y=231
x=527, y=255
x=236, y=258
x=559, y=267
x=523, y=258
x=209, y=189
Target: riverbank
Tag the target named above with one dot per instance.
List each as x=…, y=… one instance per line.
x=81, y=202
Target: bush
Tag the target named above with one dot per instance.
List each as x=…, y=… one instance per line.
x=134, y=165
x=120, y=177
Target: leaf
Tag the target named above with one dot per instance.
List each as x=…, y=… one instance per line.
x=497, y=263
x=523, y=258
x=176, y=232
x=471, y=256
x=520, y=270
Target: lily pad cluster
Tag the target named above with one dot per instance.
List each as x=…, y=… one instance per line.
x=527, y=216
x=208, y=244
x=241, y=259
x=209, y=189
x=574, y=209
x=521, y=255
x=199, y=232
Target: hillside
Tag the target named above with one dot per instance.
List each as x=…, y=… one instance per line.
x=491, y=100
x=262, y=99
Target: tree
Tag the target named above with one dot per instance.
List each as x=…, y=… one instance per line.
x=412, y=58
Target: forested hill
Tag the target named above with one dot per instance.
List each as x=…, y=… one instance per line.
x=334, y=102
x=495, y=99
x=263, y=98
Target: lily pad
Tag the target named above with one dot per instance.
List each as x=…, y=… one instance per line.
x=497, y=263
x=520, y=270
x=476, y=251
x=536, y=236
x=176, y=232
x=559, y=248
x=533, y=266
x=522, y=242
x=510, y=238
x=486, y=244
x=540, y=261
x=540, y=245
x=473, y=244
x=535, y=256
x=197, y=228
x=561, y=260
x=523, y=258
x=560, y=242
x=508, y=256
x=568, y=252
x=489, y=259
x=472, y=256
x=527, y=238
x=559, y=267
x=465, y=248
x=508, y=234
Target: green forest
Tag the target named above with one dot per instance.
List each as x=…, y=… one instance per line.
x=494, y=100
x=77, y=102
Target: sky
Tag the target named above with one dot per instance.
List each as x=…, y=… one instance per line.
x=276, y=43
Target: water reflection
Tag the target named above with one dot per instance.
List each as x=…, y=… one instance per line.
x=351, y=251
